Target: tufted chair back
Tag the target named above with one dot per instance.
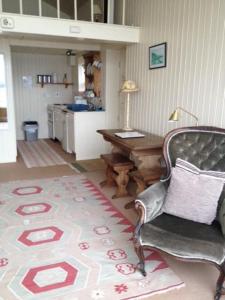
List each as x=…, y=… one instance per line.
x=202, y=146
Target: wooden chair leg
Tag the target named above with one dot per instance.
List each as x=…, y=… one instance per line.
x=121, y=180
x=140, y=253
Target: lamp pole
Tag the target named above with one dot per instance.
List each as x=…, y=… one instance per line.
x=189, y=113
x=127, y=113
x=128, y=87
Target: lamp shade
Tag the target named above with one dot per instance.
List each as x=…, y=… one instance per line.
x=129, y=86
x=174, y=116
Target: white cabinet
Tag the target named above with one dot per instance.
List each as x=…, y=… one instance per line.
x=77, y=132
x=88, y=143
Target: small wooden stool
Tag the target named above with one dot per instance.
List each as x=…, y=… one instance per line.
x=146, y=177
x=117, y=170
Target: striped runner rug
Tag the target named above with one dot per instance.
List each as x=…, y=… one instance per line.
x=38, y=154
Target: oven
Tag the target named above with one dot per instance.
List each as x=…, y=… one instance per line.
x=51, y=132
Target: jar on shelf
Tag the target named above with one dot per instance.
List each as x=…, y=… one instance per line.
x=45, y=79
x=39, y=78
x=54, y=78
x=49, y=78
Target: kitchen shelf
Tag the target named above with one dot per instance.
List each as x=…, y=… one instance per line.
x=58, y=83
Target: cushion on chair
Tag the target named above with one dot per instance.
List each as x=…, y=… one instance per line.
x=193, y=194
x=184, y=238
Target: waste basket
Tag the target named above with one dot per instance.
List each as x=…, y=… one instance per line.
x=30, y=129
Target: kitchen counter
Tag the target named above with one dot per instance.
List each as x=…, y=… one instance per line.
x=77, y=131
x=82, y=111
x=65, y=109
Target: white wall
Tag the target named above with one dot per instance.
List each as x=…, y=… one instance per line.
x=118, y=12
x=7, y=136
x=195, y=74
x=113, y=71
x=31, y=102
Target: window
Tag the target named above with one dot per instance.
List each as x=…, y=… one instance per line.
x=81, y=74
x=99, y=10
x=3, y=91
x=49, y=8
x=84, y=10
x=11, y=6
x=31, y=7
x=67, y=9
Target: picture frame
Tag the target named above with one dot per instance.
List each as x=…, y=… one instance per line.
x=157, y=56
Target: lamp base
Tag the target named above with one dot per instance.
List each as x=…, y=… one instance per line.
x=126, y=128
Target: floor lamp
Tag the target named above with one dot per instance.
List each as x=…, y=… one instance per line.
x=128, y=87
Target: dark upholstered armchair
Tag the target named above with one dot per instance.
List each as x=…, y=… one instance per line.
x=184, y=239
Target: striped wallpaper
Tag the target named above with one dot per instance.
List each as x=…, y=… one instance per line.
x=195, y=74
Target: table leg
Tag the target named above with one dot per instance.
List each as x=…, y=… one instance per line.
x=109, y=178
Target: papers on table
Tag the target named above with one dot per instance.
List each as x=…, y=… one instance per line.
x=129, y=134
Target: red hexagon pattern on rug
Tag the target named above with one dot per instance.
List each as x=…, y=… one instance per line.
x=32, y=209
x=37, y=279
x=27, y=190
x=39, y=236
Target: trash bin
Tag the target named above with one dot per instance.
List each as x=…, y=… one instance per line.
x=30, y=129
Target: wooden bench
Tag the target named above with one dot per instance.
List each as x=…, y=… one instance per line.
x=146, y=177
x=117, y=170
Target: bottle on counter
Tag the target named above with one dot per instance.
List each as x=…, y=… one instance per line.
x=65, y=78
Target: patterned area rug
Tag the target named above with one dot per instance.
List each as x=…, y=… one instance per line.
x=38, y=154
x=62, y=239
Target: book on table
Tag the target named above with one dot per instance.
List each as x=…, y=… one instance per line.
x=129, y=134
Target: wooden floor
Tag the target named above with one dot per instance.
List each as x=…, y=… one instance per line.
x=90, y=165
x=200, y=279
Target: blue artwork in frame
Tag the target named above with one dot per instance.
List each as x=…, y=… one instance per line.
x=157, y=56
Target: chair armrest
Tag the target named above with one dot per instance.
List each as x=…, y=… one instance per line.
x=221, y=212
x=151, y=201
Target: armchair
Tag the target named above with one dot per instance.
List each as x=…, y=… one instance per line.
x=184, y=239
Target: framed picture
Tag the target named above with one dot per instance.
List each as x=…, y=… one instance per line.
x=157, y=56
